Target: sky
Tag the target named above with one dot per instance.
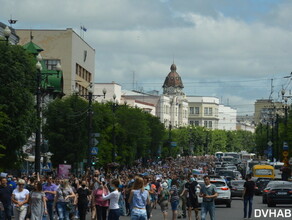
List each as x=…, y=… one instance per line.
x=236, y=50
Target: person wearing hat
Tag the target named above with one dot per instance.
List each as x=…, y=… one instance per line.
x=164, y=199
x=20, y=197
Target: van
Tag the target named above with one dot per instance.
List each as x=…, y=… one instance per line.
x=263, y=171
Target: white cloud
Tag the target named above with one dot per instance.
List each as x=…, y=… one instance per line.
x=205, y=40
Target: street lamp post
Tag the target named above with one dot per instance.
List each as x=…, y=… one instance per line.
x=39, y=91
x=90, y=98
x=38, y=111
x=114, y=107
x=7, y=33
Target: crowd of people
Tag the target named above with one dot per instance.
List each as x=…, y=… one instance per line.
x=109, y=194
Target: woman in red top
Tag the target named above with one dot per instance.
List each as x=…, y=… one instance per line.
x=100, y=205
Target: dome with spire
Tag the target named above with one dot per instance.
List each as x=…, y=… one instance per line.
x=173, y=79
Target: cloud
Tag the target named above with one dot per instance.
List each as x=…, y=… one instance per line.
x=208, y=40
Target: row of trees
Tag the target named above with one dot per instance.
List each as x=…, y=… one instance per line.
x=128, y=132
x=278, y=131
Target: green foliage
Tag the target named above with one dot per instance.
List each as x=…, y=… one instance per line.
x=128, y=132
x=17, y=83
x=201, y=141
x=66, y=129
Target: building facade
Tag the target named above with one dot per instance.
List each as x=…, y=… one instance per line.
x=173, y=104
x=76, y=57
x=265, y=109
x=203, y=111
x=171, y=107
x=227, y=118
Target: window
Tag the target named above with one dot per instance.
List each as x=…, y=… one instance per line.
x=210, y=111
x=210, y=124
x=191, y=110
x=197, y=123
x=205, y=124
x=191, y=122
x=51, y=64
x=206, y=111
x=197, y=110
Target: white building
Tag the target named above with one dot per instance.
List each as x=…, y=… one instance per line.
x=173, y=104
x=114, y=93
x=227, y=118
x=171, y=107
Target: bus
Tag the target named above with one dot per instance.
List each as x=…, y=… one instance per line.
x=247, y=157
x=264, y=171
x=219, y=155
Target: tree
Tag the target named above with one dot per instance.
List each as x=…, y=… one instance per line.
x=66, y=129
x=17, y=88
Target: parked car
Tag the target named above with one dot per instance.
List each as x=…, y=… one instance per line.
x=279, y=193
x=268, y=189
x=237, y=188
x=261, y=184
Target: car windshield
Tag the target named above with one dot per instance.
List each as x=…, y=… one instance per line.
x=264, y=172
x=226, y=173
x=263, y=180
x=237, y=183
x=218, y=184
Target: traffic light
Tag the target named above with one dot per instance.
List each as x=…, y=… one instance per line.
x=93, y=160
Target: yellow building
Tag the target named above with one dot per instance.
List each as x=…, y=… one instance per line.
x=203, y=111
x=265, y=109
x=76, y=57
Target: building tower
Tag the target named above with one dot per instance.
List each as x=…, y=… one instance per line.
x=173, y=84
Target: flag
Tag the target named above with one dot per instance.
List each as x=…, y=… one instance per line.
x=83, y=28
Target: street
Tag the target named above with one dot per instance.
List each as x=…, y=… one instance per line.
x=233, y=213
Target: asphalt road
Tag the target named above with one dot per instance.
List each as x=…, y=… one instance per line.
x=235, y=212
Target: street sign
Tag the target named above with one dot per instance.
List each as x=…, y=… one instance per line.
x=96, y=135
x=173, y=144
x=285, y=146
x=94, y=151
x=94, y=141
x=285, y=153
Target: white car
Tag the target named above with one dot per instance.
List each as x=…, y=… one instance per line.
x=224, y=192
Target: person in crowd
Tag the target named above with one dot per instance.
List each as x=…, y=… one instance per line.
x=127, y=192
x=37, y=202
x=30, y=186
x=5, y=199
x=147, y=187
x=248, y=193
x=50, y=190
x=11, y=182
x=183, y=196
x=174, y=198
x=139, y=198
x=190, y=193
x=163, y=199
x=20, y=197
x=114, y=209
x=209, y=193
x=82, y=199
x=101, y=206
x=63, y=202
